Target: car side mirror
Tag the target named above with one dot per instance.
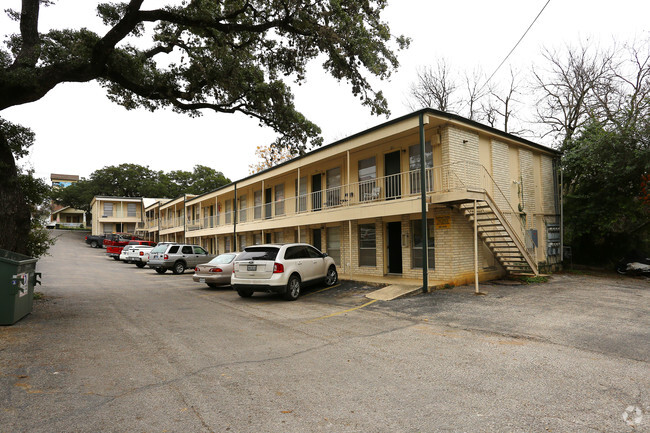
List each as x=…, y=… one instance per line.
x=324, y=255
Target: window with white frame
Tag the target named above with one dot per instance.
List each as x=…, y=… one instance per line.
x=368, y=189
x=417, y=243
x=131, y=210
x=108, y=209
x=414, y=167
x=333, y=192
x=367, y=245
x=301, y=197
x=257, y=210
x=279, y=200
x=334, y=244
x=243, y=210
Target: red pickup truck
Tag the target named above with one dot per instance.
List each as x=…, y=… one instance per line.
x=115, y=243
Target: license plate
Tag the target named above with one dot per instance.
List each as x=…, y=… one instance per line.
x=251, y=267
x=201, y=280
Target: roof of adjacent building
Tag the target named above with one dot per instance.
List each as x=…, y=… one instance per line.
x=425, y=111
x=72, y=177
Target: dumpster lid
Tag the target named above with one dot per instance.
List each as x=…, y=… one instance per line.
x=15, y=258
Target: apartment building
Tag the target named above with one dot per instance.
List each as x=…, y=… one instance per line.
x=490, y=203
x=118, y=214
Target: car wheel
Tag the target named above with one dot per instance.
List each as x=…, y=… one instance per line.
x=93, y=244
x=116, y=258
x=245, y=293
x=179, y=268
x=161, y=270
x=212, y=285
x=293, y=288
x=140, y=265
x=332, y=276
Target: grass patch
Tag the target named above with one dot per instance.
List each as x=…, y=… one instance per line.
x=533, y=280
x=38, y=295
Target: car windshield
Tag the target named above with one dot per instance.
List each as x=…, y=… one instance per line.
x=259, y=253
x=223, y=259
x=159, y=249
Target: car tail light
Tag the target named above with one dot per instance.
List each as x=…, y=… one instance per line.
x=142, y=253
x=278, y=268
x=216, y=270
x=197, y=269
x=165, y=257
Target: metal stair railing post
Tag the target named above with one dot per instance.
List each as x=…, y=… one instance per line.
x=521, y=243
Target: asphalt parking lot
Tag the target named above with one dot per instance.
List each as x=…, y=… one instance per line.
x=112, y=347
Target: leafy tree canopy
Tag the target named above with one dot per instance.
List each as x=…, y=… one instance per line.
x=605, y=209
x=228, y=56
x=132, y=180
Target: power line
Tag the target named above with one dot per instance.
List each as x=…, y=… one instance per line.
x=513, y=48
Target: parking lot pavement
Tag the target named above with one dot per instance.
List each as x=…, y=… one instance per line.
x=116, y=348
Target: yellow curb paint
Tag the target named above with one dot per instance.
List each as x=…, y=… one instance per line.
x=321, y=290
x=342, y=312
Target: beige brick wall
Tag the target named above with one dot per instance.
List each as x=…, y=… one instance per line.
x=528, y=185
x=462, y=145
x=548, y=198
x=501, y=171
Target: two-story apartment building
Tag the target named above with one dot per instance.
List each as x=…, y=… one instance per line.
x=491, y=202
x=118, y=214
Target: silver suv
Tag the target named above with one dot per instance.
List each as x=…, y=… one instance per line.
x=281, y=268
x=177, y=257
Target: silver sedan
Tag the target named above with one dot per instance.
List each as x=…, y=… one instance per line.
x=216, y=272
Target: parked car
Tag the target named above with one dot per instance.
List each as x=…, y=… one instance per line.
x=95, y=241
x=124, y=253
x=281, y=268
x=139, y=254
x=216, y=272
x=177, y=257
x=114, y=250
x=113, y=238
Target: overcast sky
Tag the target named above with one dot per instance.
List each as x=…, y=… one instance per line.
x=78, y=130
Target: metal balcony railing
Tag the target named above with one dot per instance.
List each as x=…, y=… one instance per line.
x=451, y=177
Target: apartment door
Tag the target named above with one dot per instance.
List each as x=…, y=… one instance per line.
x=393, y=181
x=316, y=192
x=394, y=230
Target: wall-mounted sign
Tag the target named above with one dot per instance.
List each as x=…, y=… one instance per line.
x=443, y=222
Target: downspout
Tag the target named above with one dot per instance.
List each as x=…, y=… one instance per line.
x=184, y=218
x=349, y=221
x=561, y=213
x=234, y=221
x=423, y=196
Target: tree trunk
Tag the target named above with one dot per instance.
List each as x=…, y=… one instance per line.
x=14, y=212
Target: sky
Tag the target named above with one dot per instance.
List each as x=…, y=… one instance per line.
x=78, y=130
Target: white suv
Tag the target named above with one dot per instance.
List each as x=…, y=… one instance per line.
x=281, y=268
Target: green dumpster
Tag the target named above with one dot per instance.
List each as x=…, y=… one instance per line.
x=17, y=278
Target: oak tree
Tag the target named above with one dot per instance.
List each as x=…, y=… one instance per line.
x=227, y=56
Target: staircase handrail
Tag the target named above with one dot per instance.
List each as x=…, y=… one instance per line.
x=485, y=179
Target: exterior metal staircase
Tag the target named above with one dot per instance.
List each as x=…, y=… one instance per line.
x=506, y=244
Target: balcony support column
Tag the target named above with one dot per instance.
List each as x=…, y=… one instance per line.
x=477, y=291
x=423, y=196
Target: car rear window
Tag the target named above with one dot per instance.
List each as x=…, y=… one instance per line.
x=222, y=259
x=259, y=253
x=159, y=249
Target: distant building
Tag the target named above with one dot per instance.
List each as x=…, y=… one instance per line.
x=63, y=180
x=65, y=216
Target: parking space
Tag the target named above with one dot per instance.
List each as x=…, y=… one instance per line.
x=115, y=348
